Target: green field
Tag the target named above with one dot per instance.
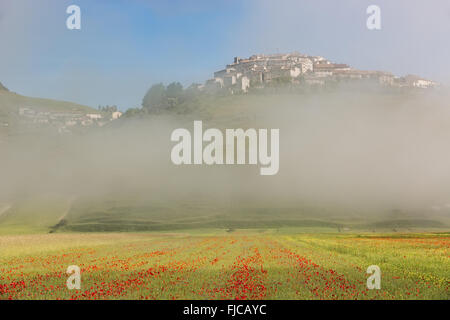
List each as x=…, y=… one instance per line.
x=52, y=213
x=161, y=252
x=285, y=263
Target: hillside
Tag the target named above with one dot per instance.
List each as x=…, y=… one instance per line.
x=3, y=88
x=52, y=213
x=11, y=103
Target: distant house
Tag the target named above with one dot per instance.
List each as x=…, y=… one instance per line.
x=416, y=81
x=116, y=115
x=330, y=67
x=94, y=116
x=245, y=84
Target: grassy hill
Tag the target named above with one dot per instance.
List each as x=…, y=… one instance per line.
x=3, y=88
x=52, y=213
x=10, y=101
x=32, y=215
x=10, y=104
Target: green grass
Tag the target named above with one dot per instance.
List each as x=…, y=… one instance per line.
x=10, y=101
x=33, y=215
x=53, y=213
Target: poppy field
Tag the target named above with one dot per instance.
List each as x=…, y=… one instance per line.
x=244, y=264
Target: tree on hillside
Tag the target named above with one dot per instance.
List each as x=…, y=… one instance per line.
x=192, y=92
x=174, y=94
x=175, y=89
x=107, y=108
x=132, y=112
x=155, y=97
x=160, y=97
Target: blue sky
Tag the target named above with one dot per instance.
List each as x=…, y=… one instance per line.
x=124, y=46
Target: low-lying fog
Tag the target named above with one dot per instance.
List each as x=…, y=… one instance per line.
x=364, y=150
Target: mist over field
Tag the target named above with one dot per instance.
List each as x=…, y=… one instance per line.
x=362, y=152
x=337, y=114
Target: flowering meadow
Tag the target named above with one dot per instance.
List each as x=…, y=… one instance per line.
x=220, y=265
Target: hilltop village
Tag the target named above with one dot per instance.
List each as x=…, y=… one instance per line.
x=260, y=70
x=256, y=72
